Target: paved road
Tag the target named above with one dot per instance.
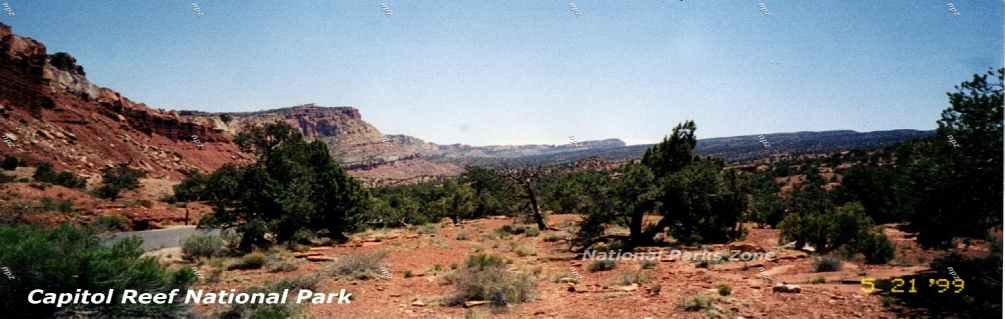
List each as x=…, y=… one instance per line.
x=161, y=238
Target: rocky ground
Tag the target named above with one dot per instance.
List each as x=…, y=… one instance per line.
x=420, y=258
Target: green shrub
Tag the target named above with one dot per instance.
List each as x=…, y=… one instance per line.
x=69, y=258
x=202, y=246
x=47, y=204
x=819, y=280
x=486, y=279
x=699, y=302
x=117, y=179
x=249, y=261
x=293, y=184
x=827, y=264
x=110, y=223
x=876, y=248
x=9, y=163
x=44, y=173
x=511, y=229
x=724, y=289
x=532, y=231
x=484, y=261
x=362, y=266
x=602, y=265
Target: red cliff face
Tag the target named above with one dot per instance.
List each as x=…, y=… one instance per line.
x=49, y=111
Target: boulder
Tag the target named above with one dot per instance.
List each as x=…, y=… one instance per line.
x=786, y=288
x=320, y=258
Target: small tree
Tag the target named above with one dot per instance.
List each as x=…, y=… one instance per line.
x=9, y=163
x=117, y=179
x=526, y=179
x=959, y=182
x=293, y=185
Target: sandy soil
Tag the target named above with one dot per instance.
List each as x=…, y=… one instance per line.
x=429, y=256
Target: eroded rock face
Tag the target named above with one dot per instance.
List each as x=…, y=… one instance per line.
x=64, y=119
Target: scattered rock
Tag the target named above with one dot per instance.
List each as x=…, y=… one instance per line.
x=567, y=280
x=306, y=254
x=787, y=288
x=474, y=303
x=318, y=258
x=629, y=288
x=418, y=303
x=746, y=247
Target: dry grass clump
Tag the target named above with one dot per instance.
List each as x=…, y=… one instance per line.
x=362, y=267
x=485, y=278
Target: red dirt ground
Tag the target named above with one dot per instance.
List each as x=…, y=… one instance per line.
x=598, y=294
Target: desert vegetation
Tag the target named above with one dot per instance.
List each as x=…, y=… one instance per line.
x=295, y=202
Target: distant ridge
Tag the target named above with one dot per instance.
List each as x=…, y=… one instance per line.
x=747, y=147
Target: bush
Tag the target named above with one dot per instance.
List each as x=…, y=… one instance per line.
x=532, y=231
x=601, y=265
x=552, y=238
x=485, y=278
x=202, y=246
x=269, y=311
x=510, y=230
x=724, y=289
x=9, y=163
x=827, y=264
x=275, y=264
x=249, y=261
x=292, y=185
x=362, y=267
x=485, y=261
x=524, y=251
x=117, y=179
x=69, y=258
x=699, y=302
x=109, y=223
x=876, y=248
x=44, y=173
x=648, y=264
x=48, y=204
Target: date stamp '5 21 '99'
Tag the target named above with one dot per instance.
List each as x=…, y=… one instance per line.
x=908, y=285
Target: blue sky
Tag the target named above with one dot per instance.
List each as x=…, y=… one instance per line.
x=515, y=72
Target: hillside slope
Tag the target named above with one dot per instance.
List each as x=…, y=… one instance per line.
x=49, y=111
